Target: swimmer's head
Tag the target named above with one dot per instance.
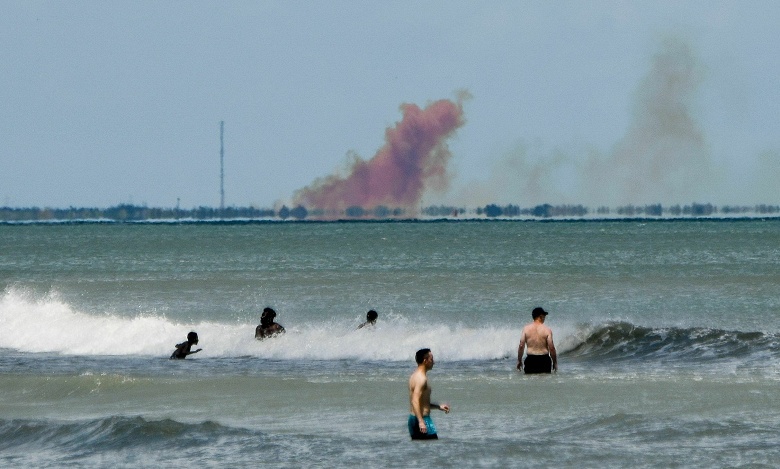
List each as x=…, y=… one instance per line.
x=192, y=338
x=268, y=316
x=372, y=315
x=538, y=312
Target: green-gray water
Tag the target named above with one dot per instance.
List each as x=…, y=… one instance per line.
x=668, y=337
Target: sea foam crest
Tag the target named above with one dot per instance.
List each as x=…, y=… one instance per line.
x=50, y=325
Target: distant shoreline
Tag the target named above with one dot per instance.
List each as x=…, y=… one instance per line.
x=127, y=213
x=238, y=221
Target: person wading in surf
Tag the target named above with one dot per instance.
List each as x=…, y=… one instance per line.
x=420, y=424
x=538, y=338
x=267, y=327
x=371, y=317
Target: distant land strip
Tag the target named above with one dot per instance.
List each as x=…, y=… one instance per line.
x=135, y=213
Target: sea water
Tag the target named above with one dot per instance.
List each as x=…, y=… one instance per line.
x=668, y=336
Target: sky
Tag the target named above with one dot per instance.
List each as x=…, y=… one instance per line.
x=569, y=102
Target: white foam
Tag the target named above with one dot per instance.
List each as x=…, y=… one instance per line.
x=50, y=325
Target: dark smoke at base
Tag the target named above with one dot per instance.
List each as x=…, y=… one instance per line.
x=413, y=159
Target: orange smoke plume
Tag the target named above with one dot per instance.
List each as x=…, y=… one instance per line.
x=413, y=158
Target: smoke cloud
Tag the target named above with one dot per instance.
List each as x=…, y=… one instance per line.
x=413, y=159
x=662, y=158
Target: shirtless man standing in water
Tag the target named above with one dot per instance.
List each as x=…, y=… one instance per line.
x=541, y=356
x=420, y=424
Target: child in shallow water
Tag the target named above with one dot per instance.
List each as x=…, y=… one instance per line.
x=185, y=348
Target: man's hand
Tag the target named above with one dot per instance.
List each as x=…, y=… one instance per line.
x=445, y=408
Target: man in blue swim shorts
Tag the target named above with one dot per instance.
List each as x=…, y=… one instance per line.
x=541, y=356
x=420, y=425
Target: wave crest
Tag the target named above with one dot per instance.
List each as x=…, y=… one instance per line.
x=626, y=341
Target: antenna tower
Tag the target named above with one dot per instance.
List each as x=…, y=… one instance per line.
x=221, y=167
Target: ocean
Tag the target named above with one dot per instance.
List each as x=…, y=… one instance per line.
x=668, y=337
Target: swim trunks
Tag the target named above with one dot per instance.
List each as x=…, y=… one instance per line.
x=414, y=428
x=538, y=364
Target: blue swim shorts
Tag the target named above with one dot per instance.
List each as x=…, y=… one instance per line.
x=414, y=428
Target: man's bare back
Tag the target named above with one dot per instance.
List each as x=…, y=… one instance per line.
x=536, y=337
x=537, y=341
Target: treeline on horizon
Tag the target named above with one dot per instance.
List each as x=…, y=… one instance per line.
x=130, y=212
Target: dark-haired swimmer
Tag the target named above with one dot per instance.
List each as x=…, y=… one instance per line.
x=183, y=349
x=371, y=317
x=268, y=327
x=420, y=425
x=541, y=356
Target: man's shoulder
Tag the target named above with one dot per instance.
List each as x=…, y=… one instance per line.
x=418, y=377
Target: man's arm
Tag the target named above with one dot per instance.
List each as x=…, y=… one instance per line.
x=443, y=407
x=553, y=353
x=520, y=350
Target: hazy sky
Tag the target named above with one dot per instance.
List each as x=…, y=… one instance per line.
x=120, y=102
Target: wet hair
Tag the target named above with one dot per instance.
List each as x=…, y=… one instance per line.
x=421, y=355
x=372, y=315
x=268, y=316
x=192, y=337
